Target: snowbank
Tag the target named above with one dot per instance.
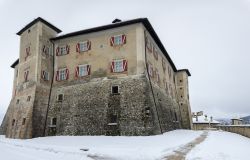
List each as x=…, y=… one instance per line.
x=114, y=148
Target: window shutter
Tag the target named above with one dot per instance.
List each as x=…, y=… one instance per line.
x=88, y=69
x=123, y=39
x=67, y=49
x=78, y=47
x=77, y=71
x=125, y=65
x=57, y=51
x=42, y=75
x=67, y=73
x=89, y=45
x=112, y=66
x=112, y=41
x=44, y=49
x=57, y=75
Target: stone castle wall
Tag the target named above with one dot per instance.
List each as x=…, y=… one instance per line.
x=87, y=108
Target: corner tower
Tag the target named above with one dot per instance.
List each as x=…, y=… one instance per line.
x=183, y=98
x=26, y=114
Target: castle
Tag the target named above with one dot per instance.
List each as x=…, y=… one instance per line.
x=115, y=79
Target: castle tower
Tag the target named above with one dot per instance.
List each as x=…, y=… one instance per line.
x=183, y=98
x=26, y=114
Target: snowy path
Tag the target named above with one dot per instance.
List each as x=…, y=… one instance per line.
x=180, y=154
x=174, y=145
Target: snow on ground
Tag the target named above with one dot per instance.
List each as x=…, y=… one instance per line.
x=104, y=147
x=220, y=145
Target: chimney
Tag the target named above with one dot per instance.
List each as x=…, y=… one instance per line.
x=116, y=20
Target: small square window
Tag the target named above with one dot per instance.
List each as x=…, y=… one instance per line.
x=17, y=101
x=60, y=97
x=113, y=119
x=24, y=120
x=28, y=98
x=180, y=81
x=115, y=89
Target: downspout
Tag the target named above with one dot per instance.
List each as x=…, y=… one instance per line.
x=151, y=82
x=52, y=80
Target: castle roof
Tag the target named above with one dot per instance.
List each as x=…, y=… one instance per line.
x=39, y=19
x=184, y=70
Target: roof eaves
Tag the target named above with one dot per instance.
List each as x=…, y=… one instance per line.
x=15, y=63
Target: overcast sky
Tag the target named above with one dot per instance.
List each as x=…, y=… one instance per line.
x=209, y=37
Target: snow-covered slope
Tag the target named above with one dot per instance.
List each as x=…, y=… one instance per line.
x=97, y=147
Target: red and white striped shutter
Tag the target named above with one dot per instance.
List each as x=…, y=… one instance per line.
x=88, y=69
x=78, y=47
x=89, y=45
x=67, y=49
x=112, y=66
x=67, y=73
x=125, y=65
x=57, y=51
x=77, y=71
x=57, y=75
x=123, y=39
x=112, y=39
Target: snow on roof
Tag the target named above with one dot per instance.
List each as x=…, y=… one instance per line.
x=203, y=119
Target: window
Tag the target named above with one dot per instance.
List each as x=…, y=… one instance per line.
x=27, y=50
x=13, y=122
x=83, y=70
x=169, y=72
x=46, y=50
x=17, y=73
x=53, y=121
x=118, y=40
x=17, y=101
x=83, y=46
x=155, y=52
x=60, y=97
x=24, y=120
x=62, y=74
x=166, y=87
x=62, y=50
x=119, y=66
x=149, y=45
x=163, y=65
x=175, y=117
x=150, y=70
x=26, y=75
x=113, y=119
x=45, y=75
x=28, y=98
x=180, y=81
x=115, y=89
x=157, y=75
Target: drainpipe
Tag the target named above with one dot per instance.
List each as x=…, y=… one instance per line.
x=151, y=83
x=52, y=80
